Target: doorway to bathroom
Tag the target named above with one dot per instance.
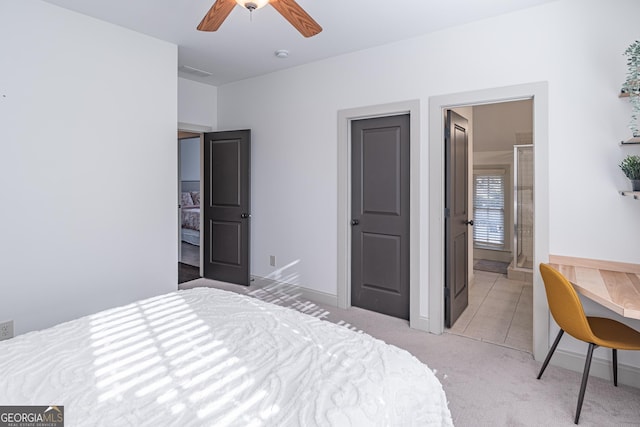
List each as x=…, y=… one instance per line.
x=500, y=208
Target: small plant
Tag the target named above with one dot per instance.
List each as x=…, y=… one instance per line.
x=631, y=167
x=632, y=84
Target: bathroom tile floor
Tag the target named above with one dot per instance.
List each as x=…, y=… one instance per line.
x=500, y=311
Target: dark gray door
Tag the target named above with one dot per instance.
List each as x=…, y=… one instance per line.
x=225, y=206
x=456, y=292
x=380, y=212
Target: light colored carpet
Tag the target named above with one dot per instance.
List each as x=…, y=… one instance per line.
x=486, y=384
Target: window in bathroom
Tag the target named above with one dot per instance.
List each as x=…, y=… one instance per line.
x=488, y=209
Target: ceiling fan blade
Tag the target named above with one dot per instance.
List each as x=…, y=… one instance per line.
x=216, y=15
x=292, y=12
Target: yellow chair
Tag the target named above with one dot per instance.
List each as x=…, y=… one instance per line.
x=568, y=313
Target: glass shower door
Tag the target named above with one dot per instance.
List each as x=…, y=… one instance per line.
x=523, y=206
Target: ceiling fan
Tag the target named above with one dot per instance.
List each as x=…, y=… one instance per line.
x=289, y=9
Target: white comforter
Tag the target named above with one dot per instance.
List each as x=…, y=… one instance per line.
x=210, y=357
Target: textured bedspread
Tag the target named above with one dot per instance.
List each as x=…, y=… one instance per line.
x=191, y=218
x=209, y=357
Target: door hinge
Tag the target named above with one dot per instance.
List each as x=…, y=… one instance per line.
x=447, y=293
x=447, y=212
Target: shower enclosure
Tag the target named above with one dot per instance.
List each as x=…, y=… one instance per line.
x=523, y=206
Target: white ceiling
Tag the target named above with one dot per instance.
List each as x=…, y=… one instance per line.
x=245, y=47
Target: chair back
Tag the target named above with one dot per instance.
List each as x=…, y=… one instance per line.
x=565, y=304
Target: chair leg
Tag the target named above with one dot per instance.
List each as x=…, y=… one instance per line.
x=615, y=367
x=585, y=377
x=551, y=350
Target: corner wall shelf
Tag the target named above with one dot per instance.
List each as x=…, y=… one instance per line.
x=634, y=194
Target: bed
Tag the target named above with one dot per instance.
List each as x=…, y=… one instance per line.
x=211, y=357
x=190, y=212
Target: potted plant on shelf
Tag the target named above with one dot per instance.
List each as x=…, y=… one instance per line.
x=632, y=85
x=631, y=168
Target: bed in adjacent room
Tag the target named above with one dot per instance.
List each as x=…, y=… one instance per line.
x=190, y=212
x=211, y=357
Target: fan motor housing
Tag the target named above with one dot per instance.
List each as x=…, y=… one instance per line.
x=251, y=6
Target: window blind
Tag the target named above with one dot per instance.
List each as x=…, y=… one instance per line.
x=488, y=209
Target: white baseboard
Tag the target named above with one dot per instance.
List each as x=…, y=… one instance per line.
x=298, y=291
x=421, y=323
x=601, y=368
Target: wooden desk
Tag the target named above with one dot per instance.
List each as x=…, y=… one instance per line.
x=615, y=285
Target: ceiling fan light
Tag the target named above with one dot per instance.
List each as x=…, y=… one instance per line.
x=252, y=4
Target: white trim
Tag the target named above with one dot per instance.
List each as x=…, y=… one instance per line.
x=297, y=291
x=344, y=202
x=421, y=323
x=191, y=127
x=601, y=368
x=202, y=195
x=179, y=199
x=539, y=93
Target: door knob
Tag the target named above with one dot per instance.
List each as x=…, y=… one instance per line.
x=355, y=222
x=469, y=222
x=245, y=215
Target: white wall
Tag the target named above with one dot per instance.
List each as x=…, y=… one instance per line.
x=190, y=159
x=88, y=166
x=197, y=105
x=574, y=45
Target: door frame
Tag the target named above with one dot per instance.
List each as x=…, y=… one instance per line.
x=198, y=129
x=181, y=136
x=417, y=241
x=538, y=92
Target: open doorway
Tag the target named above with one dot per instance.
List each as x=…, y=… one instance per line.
x=500, y=246
x=214, y=205
x=539, y=93
x=189, y=172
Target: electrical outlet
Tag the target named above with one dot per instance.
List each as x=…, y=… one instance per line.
x=6, y=330
x=272, y=260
